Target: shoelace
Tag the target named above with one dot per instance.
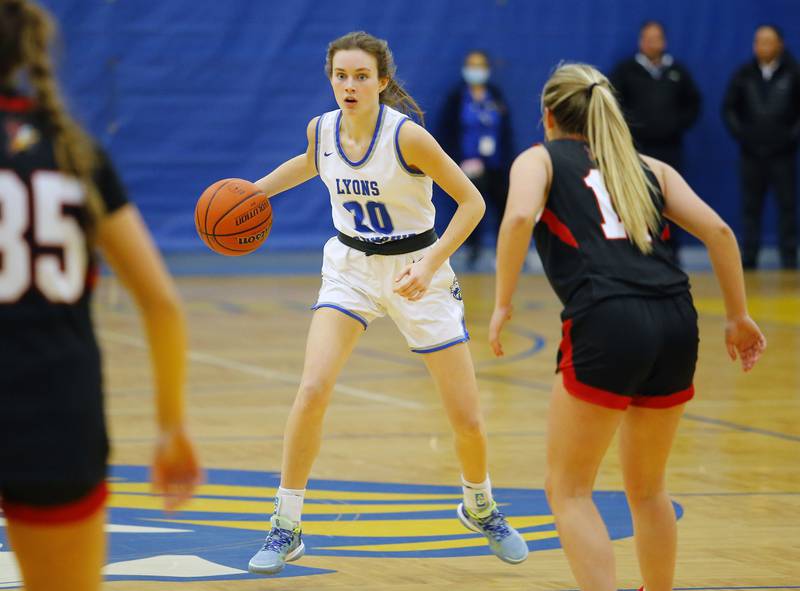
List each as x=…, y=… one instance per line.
x=277, y=539
x=495, y=524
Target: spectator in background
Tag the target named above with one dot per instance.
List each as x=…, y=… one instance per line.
x=475, y=130
x=762, y=111
x=659, y=97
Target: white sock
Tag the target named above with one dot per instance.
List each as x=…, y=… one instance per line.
x=477, y=496
x=289, y=503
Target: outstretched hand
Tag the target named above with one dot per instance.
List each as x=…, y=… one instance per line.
x=743, y=337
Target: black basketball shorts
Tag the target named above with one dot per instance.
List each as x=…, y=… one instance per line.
x=54, y=446
x=631, y=350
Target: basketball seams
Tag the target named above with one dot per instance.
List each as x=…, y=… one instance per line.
x=234, y=206
x=250, y=229
x=245, y=236
x=208, y=205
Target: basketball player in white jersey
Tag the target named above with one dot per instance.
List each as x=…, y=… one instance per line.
x=379, y=167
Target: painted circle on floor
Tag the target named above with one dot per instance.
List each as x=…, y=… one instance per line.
x=213, y=537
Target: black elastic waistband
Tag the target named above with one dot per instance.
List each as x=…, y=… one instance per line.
x=401, y=246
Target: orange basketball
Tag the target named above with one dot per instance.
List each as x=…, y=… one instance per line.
x=233, y=217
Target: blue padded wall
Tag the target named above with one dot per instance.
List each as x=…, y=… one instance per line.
x=184, y=92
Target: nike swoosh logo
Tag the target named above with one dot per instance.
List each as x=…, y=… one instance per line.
x=327, y=153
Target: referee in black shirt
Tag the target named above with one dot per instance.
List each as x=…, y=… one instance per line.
x=658, y=96
x=762, y=111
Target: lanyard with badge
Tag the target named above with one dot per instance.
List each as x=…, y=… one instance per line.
x=487, y=145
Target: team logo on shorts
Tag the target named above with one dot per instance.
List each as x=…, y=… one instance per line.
x=213, y=537
x=455, y=289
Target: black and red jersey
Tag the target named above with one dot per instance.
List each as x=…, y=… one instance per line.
x=584, y=248
x=49, y=360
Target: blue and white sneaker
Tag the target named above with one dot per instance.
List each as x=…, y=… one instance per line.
x=284, y=544
x=504, y=541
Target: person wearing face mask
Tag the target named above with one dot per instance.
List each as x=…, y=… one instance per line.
x=659, y=98
x=475, y=130
x=762, y=111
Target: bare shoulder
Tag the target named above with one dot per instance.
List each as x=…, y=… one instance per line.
x=413, y=134
x=660, y=169
x=311, y=130
x=534, y=157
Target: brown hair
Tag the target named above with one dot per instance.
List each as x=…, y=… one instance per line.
x=26, y=31
x=582, y=102
x=394, y=94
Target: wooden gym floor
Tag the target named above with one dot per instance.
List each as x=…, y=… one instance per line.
x=734, y=473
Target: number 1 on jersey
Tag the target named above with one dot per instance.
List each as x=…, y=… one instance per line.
x=612, y=225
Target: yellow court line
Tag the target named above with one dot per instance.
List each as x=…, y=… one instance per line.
x=779, y=309
x=125, y=501
x=437, y=545
x=371, y=528
x=227, y=490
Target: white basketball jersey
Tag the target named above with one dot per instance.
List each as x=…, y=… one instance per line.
x=379, y=198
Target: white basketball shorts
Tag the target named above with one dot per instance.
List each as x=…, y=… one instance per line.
x=361, y=287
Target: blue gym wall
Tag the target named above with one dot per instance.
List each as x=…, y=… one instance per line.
x=184, y=92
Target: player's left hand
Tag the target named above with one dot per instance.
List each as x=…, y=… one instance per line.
x=176, y=473
x=500, y=316
x=413, y=280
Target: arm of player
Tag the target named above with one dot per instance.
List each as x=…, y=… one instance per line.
x=686, y=209
x=527, y=194
x=294, y=171
x=126, y=243
x=421, y=151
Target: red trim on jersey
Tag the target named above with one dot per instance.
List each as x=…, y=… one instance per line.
x=580, y=390
x=66, y=513
x=666, y=233
x=15, y=104
x=558, y=228
x=92, y=276
x=667, y=401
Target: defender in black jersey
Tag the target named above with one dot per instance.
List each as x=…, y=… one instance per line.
x=59, y=198
x=629, y=327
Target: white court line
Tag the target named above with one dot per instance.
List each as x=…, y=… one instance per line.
x=263, y=372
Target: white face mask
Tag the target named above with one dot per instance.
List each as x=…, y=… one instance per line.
x=475, y=76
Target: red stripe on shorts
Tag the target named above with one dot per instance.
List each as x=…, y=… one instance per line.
x=580, y=390
x=66, y=513
x=667, y=401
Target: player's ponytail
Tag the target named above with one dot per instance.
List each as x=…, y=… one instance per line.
x=582, y=102
x=27, y=30
x=394, y=94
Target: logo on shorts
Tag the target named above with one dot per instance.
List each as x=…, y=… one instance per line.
x=455, y=289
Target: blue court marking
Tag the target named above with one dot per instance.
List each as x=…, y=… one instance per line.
x=538, y=343
x=231, y=308
x=739, y=427
x=218, y=537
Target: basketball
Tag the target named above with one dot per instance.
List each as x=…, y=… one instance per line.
x=233, y=217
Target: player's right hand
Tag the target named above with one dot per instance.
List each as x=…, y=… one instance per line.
x=743, y=336
x=500, y=316
x=176, y=471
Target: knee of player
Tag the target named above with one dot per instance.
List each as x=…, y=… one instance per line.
x=312, y=396
x=561, y=489
x=643, y=492
x=470, y=426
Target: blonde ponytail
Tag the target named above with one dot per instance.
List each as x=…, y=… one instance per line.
x=582, y=102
